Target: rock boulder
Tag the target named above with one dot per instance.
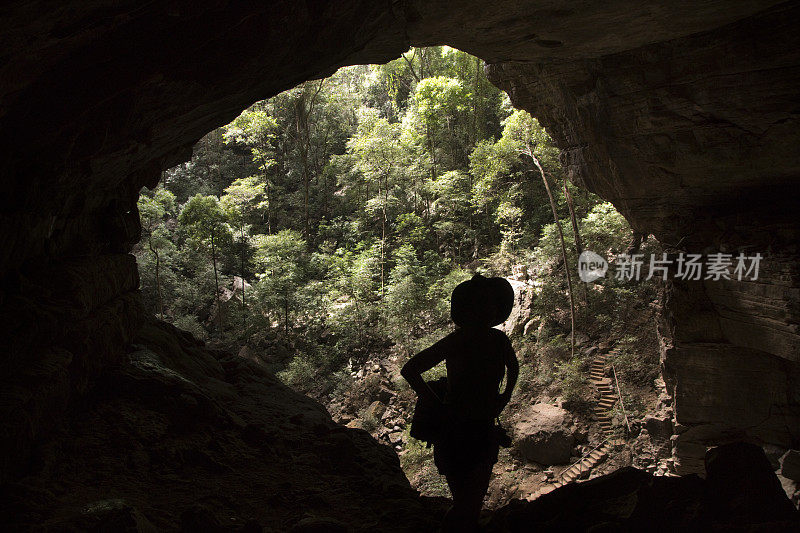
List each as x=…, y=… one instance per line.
x=790, y=465
x=544, y=434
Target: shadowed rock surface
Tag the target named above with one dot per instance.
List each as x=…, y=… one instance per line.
x=176, y=436
x=683, y=114
x=542, y=434
x=740, y=493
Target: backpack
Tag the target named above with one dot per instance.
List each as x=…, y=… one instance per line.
x=430, y=421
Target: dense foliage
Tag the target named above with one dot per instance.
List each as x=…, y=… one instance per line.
x=333, y=220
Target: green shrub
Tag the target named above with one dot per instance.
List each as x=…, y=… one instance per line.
x=527, y=376
x=550, y=352
x=418, y=344
x=439, y=293
x=300, y=373
x=343, y=383
x=572, y=380
x=192, y=325
x=634, y=408
x=439, y=371
x=369, y=422
x=417, y=463
x=416, y=452
x=634, y=366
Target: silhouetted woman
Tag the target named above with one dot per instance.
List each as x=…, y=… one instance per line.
x=476, y=356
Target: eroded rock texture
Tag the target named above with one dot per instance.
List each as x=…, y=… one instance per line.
x=740, y=493
x=693, y=139
x=176, y=436
x=684, y=114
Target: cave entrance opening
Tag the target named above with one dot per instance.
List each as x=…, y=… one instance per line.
x=321, y=232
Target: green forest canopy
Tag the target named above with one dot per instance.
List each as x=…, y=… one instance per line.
x=334, y=219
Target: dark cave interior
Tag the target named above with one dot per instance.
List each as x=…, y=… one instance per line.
x=684, y=116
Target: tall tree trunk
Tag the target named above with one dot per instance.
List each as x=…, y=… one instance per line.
x=305, y=202
x=432, y=149
x=158, y=277
x=267, y=190
x=303, y=141
x=575, y=232
x=578, y=241
x=477, y=105
x=414, y=187
x=383, y=233
x=286, y=313
x=302, y=114
x=216, y=277
x=411, y=65
x=563, y=247
x=241, y=271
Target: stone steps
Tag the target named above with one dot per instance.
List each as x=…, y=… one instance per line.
x=602, y=410
x=580, y=469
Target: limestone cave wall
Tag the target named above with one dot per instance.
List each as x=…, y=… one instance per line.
x=693, y=139
x=683, y=114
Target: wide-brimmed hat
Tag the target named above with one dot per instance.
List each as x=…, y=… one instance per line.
x=481, y=301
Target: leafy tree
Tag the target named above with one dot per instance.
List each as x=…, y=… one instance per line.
x=453, y=210
x=304, y=106
x=379, y=157
x=282, y=262
x=534, y=143
x=204, y=221
x=407, y=294
x=411, y=229
x=441, y=105
x=358, y=202
x=238, y=204
x=256, y=129
x=208, y=171
x=152, y=211
x=353, y=277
